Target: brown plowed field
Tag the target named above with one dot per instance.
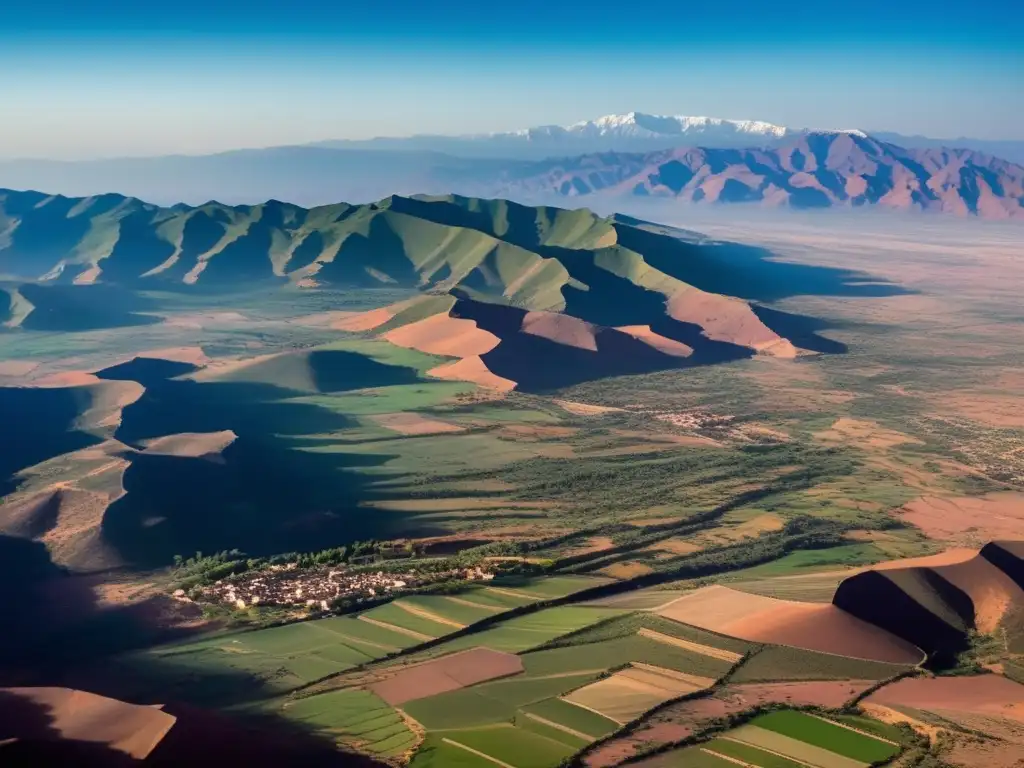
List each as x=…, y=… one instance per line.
x=984, y=694
x=812, y=626
x=447, y=673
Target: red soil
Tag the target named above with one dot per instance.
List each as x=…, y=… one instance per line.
x=985, y=694
x=992, y=517
x=364, y=321
x=661, y=343
x=726, y=319
x=474, y=370
x=812, y=626
x=562, y=329
x=81, y=716
x=444, y=335
x=447, y=674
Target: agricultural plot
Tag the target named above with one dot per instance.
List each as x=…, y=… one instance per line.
x=618, y=651
x=524, y=632
x=553, y=586
x=748, y=755
x=779, y=662
x=447, y=673
x=631, y=692
x=641, y=599
x=395, y=617
x=443, y=610
x=358, y=717
x=511, y=745
x=568, y=715
x=490, y=703
x=289, y=656
x=834, y=737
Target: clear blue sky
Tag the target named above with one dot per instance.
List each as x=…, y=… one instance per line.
x=123, y=77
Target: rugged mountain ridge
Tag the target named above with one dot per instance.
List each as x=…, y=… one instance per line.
x=644, y=132
x=816, y=170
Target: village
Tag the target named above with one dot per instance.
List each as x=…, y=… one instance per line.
x=318, y=589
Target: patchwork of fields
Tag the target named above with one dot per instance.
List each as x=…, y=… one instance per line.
x=792, y=739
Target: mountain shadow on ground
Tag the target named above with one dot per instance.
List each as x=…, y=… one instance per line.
x=38, y=424
x=84, y=307
x=800, y=329
x=271, y=489
x=745, y=271
x=541, y=364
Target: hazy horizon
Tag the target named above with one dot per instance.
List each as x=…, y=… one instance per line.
x=115, y=79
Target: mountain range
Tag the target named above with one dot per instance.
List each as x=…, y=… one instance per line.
x=799, y=170
x=815, y=170
x=490, y=292
x=642, y=132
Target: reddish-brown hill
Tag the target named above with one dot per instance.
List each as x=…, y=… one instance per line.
x=814, y=170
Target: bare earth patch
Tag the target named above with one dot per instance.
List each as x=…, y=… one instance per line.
x=444, y=335
x=864, y=434
x=447, y=673
x=414, y=424
x=634, y=690
x=812, y=626
x=970, y=521
x=474, y=370
x=584, y=409
x=984, y=694
x=80, y=716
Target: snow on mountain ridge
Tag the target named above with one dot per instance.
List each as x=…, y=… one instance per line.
x=642, y=125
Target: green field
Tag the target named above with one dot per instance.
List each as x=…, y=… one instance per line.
x=550, y=732
x=363, y=634
x=550, y=586
x=358, y=716
x=514, y=746
x=627, y=625
x=490, y=702
x=524, y=632
x=778, y=662
x=820, y=733
x=397, y=617
x=447, y=608
x=571, y=716
x=611, y=653
x=751, y=755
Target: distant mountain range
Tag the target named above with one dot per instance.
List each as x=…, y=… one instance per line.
x=641, y=132
x=797, y=169
x=813, y=170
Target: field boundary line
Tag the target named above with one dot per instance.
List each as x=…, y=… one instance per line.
x=559, y=726
x=471, y=604
x=689, y=645
x=396, y=628
x=727, y=758
x=360, y=641
x=856, y=730
x=514, y=593
x=591, y=709
x=478, y=753
x=772, y=751
x=423, y=613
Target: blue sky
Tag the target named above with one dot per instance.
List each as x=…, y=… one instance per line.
x=113, y=77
